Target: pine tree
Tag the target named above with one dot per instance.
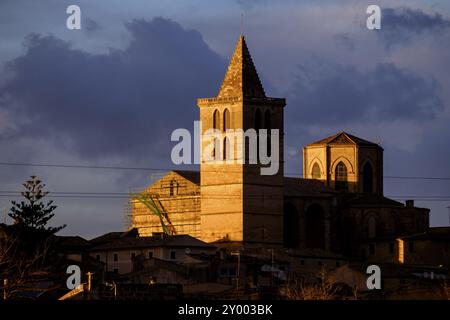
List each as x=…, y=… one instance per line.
x=33, y=213
x=27, y=245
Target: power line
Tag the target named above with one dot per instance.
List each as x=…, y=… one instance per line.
x=180, y=197
x=81, y=166
x=416, y=178
x=74, y=166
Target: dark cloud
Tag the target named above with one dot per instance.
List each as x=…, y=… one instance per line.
x=124, y=103
x=344, y=40
x=400, y=25
x=328, y=93
x=90, y=25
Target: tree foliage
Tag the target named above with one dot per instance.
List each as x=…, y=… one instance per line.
x=33, y=213
x=25, y=246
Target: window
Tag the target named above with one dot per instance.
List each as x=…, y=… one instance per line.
x=267, y=122
x=391, y=248
x=315, y=173
x=115, y=257
x=150, y=254
x=268, y=126
x=411, y=246
x=341, y=177
x=172, y=255
x=257, y=120
x=216, y=119
x=314, y=221
x=216, y=149
x=372, y=226
x=257, y=127
x=226, y=149
x=302, y=262
x=372, y=249
x=367, y=178
x=171, y=188
x=226, y=120
x=97, y=257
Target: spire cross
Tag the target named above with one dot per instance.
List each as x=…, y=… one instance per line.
x=242, y=24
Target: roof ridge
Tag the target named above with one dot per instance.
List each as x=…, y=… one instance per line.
x=349, y=136
x=354, y=139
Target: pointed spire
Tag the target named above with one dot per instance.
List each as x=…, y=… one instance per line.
x=241, y=78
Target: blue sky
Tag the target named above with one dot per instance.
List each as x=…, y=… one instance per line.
x=107, y=94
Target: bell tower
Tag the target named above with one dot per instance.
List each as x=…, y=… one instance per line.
x=241, y=204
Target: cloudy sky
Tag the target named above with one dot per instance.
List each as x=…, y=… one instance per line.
x=111, y=93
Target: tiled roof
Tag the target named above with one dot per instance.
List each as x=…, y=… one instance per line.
x=71, y=241
x=241, y=78
x=374, y=201
x=105, y=238
x=184, y=241
x=344, y=138
x=433, y=233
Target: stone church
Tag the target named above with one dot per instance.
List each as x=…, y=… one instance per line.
x=338, y=206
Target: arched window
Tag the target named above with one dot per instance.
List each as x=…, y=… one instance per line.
x=257, y=120
x=315, y=173
x=367, y=178
x=315, y=227
x=372, y=227
x=268, y=126
x=216, y=149
x=291, y=226
x=226, y=120
x=216, y=119
x=226, y=148
x=340, y=178
x=267, y=123
x=257, y=127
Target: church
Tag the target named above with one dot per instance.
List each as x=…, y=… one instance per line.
x=338, y=206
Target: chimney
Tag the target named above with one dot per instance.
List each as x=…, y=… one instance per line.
x=410, y=203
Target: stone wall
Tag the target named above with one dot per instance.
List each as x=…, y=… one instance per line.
x=182, y=205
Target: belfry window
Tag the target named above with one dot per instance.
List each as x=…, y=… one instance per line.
x=257, y=120
x=268, y=126
x=216, y=149
x=341, y=182
x=226, y=120
x=226, y=149
x=257, y=127
x=216, y=119
x=267, y=120
x=315, y=173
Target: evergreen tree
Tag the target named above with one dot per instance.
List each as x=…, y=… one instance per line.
x=33, y=213
x=26, y=246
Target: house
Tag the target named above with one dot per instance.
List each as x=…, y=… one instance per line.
x=121, y=252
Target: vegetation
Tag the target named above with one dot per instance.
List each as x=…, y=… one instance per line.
x=25, y=245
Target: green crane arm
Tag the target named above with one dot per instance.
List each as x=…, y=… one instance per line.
x=148, y=201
